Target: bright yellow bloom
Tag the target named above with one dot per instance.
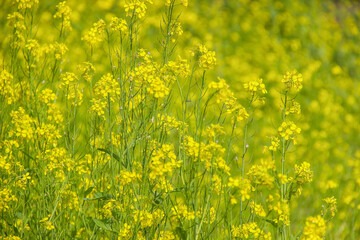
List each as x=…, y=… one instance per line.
x=293, y=81
x=47, y=95
x=303, y=173
x=6, y=198
x=249, y=230
x=207, y=58
x=257, y=209
x=95, y=35
x=242, y=185
x=315, y=228
x=182, y=212
x=8, y=89
x=26, y=4
x=23, y=125
x=331, y=206
x=282, y=178
x=288, y=130
x=255, y=86
x=293, y=108
x=106, y=87
x=135, y=8
x=119, y=25
x=47, y=223
x=63, y=12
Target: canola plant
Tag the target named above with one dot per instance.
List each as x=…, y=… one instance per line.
x=177, y=119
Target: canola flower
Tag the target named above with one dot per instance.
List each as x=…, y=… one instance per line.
x=63, y=13
x=293, y=81
x=315, y=228
x=207, y=58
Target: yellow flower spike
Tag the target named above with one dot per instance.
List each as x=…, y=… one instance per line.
x=135, y=8
x=283, y=178
x=293, y=81
x=26, y=4
x=207, y=58
x=63, y=12
x=119, y=25
x=315, y=228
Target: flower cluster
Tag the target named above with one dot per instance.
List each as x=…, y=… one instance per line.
x=293, y=81
x=26, y=4
x=242, y=185
x=303, y=173
x=288, y=130
x=63, y=12
x=107, y=87
x=136, y=8
x=330, y=206
x=47, y=95
x=207, y=58
x=315, y=228
x=119, y=25
x=146, y=218
x=255, y=86
x=249, y=230
x=8, y=89
x=94, y=36
x=181, y=212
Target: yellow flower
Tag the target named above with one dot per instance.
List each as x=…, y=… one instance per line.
x=26, y=4
x=9, y=90
x=247, y=230
x=207, y=58
x=181, y=211
x=303, y=173
x=282, y=212
x=255, y=86
x=45, y=222
x=282, y=178
x=23, y=125
x=241, y=113
x=293, y=108
x=47, y=95
x=257, y=209
x=315, y=228
x=242, y=185
x=288, y=130
x=165, y=235
x=135, y=8
x=95, y=35
x=293, y=81
x=157, y=87
x=184, y=3
x=331, y=206
x=119, y=25
x=67, y=78
x=106, y=87
x=125, y=232
x=146, y=218
x=6, y=198
x=63, y=12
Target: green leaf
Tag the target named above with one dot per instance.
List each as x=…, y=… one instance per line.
x=272, y=222
x=102, y=225
x=181, y=233
x=88, y=191
x=103, y=196
x=116, y=157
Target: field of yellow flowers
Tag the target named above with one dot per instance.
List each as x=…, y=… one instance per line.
x=177, y=119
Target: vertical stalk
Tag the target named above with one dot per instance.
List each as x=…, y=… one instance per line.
x=245, y=148
x=283, y=155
